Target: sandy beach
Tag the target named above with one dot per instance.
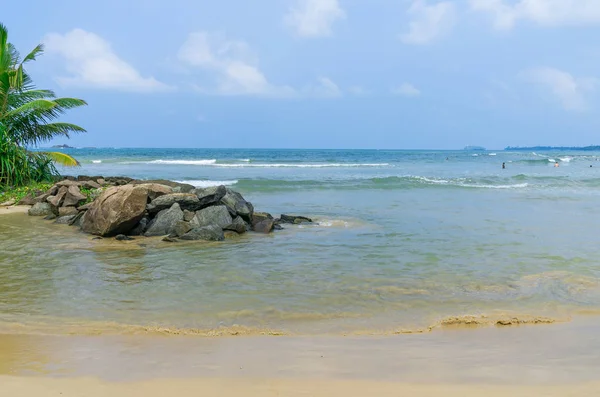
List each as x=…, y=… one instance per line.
x=15, y=209
x=27, y=387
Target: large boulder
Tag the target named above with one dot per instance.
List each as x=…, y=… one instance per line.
x=40, y=209
x=264, y=226
x=212, y=216
x=176, y=187
x=258, y=217
x=208, y=233
x=74, y=197
x=116, y=211
x=237, y=204
x=210, y=195
x=156, y=190
x=294, y=219
x=238, y=225
x=186, y=201
x=165, y=221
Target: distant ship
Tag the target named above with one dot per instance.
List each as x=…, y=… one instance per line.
x=475, y=148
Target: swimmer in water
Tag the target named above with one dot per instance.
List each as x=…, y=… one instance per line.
x=503, y=165
x=556, y=165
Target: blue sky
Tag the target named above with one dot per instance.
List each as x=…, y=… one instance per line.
x=320, y=73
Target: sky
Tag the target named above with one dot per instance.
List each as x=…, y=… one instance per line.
x=394, y=74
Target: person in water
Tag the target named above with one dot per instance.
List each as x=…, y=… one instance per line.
x=503, y=165
x=556, y=165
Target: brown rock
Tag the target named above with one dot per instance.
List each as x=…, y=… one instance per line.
x=258, y=217
x=116, y=211
x=156, y=190
x=90, y=184
x=57, y=200
x=65, y=211
x=73, y=197
x=188, y=215
x=265, y=226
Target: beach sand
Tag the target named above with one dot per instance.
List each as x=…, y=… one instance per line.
x=532, y=360
x=15, y=209
x=28, y=387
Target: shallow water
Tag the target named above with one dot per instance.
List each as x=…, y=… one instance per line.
x=404, y=240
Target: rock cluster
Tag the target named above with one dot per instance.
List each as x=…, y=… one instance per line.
x=125, y=207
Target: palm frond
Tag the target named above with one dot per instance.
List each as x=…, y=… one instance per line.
x=39, y=105
x=38, y=50
x=62, y=159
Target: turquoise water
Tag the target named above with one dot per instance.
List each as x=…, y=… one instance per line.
x=403, y=240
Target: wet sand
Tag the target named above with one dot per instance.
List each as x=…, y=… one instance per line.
x=529, y=360
x=25, y=387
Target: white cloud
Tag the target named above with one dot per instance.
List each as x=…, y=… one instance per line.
x=407, y=90
x=358, y=90
x=92, y=63
x=429, y=22
x=233, y=63
x=314, y=18
x=542, y=12
x=325, y=88
x=570, y=91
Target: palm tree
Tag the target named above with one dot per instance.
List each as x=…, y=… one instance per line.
x=28, y=117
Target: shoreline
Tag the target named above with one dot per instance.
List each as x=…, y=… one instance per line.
x=41, y=387
x=521, y=356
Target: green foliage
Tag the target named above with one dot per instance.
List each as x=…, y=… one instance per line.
x=18, y=193
x=28, y=116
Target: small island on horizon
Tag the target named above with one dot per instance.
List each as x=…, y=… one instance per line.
x=62, y=147
x=542, y=148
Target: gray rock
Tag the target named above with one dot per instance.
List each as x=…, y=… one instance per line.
x=265, y=226
x=77, y=219
x=165, y=221
x=64, y=220
x=238, y=225
x=141, y=227
x=208, y=233
x=29, y=199
x=186, y=201
x=294, y=219
x=122, y=237
x=73, y=197
x=9, y=203
x=50, y=217
x=237, y=204
x=116, y=211
x=181, y=228
x=66, y=211
x=188, y=215
x=40, y=209
x=169, y=239
x=210, y=195
x=217, y=216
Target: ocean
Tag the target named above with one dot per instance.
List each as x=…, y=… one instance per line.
x=403, y=241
